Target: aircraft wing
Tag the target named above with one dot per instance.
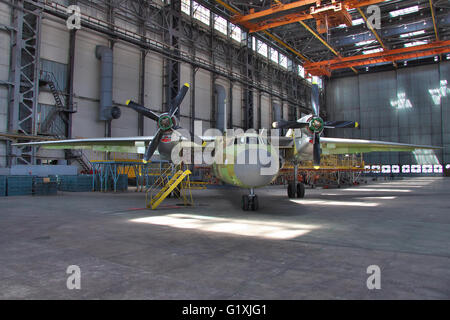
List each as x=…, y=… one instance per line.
x=119, y=144
x=349, y=146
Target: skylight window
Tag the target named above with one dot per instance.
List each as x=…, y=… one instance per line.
x=358, y=21
x=201, y=13
x=412, y=34
x=372, y=51
x=415, y=43
x=220, y=24
x=402, y=12
x=363, y=43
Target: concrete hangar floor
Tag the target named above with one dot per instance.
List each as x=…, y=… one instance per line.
x=314, y=248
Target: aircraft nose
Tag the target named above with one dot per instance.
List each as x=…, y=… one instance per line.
x=258, y=169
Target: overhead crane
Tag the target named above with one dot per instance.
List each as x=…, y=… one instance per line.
x=326, y=13
x=325, y=67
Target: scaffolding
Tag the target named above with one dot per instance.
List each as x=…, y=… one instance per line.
x=335, y=170
x=105, y=173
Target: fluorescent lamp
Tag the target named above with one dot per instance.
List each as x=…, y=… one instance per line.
x=363, y=43
x=412, y=34
x=404, y=11
x=372, y=51
x=415, y=43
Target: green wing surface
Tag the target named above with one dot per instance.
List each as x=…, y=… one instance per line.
x=349, y=146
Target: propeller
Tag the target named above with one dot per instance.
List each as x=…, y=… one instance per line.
x=315, y=124
x=283, y=124
x=166, y=122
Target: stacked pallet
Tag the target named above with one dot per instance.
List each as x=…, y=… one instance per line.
x=2, y=186
x=45, y=186
x=79, y=183
x=19, y=185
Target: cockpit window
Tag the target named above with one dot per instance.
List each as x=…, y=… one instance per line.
x=252, y=140
x=262, y=141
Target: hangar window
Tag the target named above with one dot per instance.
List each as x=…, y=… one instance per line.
x=236, y=33
x=274, y=55
x=437, y=168
x=427, y=168
x=220, y=24
x=283, y=61
x=301, y=71
x=395, y=169
x=261, y=48
x=201, y=13
x=416, y=168
x=386, y=168
x=406, y=168
x=186, y=6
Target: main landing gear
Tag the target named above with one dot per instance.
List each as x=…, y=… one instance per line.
x=250, y=201
x=296, y=189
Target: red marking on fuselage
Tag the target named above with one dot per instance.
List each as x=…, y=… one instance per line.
x=166, y=138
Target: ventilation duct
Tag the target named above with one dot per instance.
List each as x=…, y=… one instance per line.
x=107, y=110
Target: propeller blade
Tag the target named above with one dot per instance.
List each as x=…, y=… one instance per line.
x=316, y=151
x=142, y=110
x=283, y=124
x=341, y=124
x=315, y=99
x=178, y=99
x=153, y=145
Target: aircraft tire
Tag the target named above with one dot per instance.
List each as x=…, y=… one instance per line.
x=291, y=190
x=245, y=203
x=255, y=204
x=300, y=190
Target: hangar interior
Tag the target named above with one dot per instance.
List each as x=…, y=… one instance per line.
x=68, y=69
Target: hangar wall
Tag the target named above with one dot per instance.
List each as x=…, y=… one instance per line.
x=409, y=105
x=55, y=52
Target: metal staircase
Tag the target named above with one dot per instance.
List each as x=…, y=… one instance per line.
x=61, y=110
x=169, y=183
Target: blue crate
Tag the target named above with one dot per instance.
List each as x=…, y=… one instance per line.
x=81, y=183
x=2, y=186
x=19, y=185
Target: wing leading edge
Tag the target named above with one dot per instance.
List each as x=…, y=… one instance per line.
x=349, y=146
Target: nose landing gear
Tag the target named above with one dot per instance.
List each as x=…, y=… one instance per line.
x=250, y=201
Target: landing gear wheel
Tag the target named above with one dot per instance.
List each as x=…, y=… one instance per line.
x=291, y=190
x=245, y=203
x=254, y=203
x=300, y=190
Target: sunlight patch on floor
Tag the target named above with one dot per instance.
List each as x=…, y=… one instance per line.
x=336, y=203
x=377, y=190
x=243, y=227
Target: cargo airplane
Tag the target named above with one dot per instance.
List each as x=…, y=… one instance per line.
x=302, y=142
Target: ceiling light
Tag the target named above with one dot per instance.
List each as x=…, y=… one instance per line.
x=358, y=21
x=404, y=11
x=415, y=43
x=373, y=51
x=363, y=43
x=412, y=34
